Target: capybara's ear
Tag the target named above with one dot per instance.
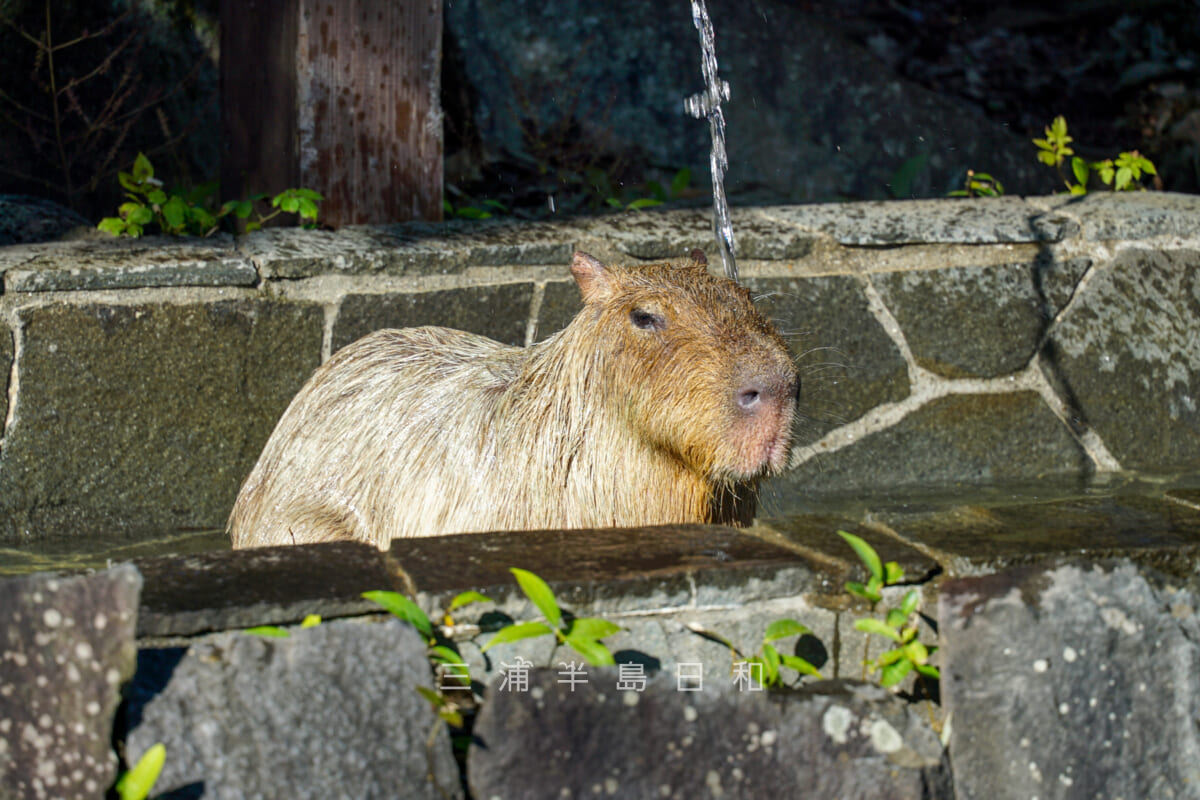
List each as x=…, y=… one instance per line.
x=697, y=255
x=594, y=279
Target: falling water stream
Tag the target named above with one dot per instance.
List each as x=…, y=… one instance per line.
x=708, y=104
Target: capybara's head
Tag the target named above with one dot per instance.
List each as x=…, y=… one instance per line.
x=694, y=367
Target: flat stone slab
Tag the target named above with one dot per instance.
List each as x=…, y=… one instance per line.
x=124, y=263
x=942, y=221
x=1077, y=680
x=970, y=540
x=330, y=711
x=559, y=739
x=66, y=648
x=412, y=248
x=608, y=570
x=1105, y=216
x=185, y=595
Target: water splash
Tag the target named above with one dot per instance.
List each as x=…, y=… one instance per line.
x=708, y=104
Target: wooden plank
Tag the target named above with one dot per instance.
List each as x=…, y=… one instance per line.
x=369, y=122
x=258, y=97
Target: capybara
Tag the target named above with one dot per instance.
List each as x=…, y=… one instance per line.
x=663, y=401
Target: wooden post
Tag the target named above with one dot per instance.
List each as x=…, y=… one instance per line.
x=337, y=96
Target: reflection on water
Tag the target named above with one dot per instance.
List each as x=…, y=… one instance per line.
x=97, y=552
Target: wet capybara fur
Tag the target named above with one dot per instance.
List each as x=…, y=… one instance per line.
x=663, y=401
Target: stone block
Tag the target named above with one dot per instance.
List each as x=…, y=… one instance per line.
x=137, y=420
x=847, y=363
x=124, y=263
x=1129, y=216
x=951, y=441
x=609, y=570
x=185, y=595
x=977, y=322
x=66, y=647
x=499, y=312
x=329, y=711
x=940, y=221
x=6, y=362
x=1074, y=680
x=561, y=739
x=560, y=303
x=1126, y=355
x=412, y=248
x=976, y=538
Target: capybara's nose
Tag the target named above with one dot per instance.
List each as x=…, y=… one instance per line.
x=761, y=392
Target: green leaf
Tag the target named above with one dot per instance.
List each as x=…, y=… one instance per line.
x=615, y=202
x=1048, y=158
x=894, y=673
x=253, y=226
x=656, y=190
x=892, y=573
x=272, y=631
x=890, y=657
x=957, y=193
x=770, y=665
x=896, y=618
x=592, y=628
x=136, y=213
x=1079, y=168
x=1124, y=177
x=287, y=203
x=870, y=625
x=592, y=651
x=681, y=181
x=496, y=204
x=128, y=183
x=203, y=222
x=142, y=170
x=800, y=665
x=113, y=225
x=403, y=608
x=515, y=633
x=433, y=697
x=156, y=197
x=781, y=628
x=911, y=600
x=1077, y=190
x=929, y=671
x=451, y=717
x=137, y=783
x=175, y=211
x=866, y=553
x=644, y=202
x=311, y=621
x=309, y=194
x=444, y=655
x=866, y=593
x=466, y=598
x=916, y=652
x=470, y=212
x=536, y=590
x=308, y=209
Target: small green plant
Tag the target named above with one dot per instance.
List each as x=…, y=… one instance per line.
x=1121, y=174
x=979, y=184
x=191, y=213
x=472, y=211
x=768, y=656
x=900, y=624
x=441, y=650
x=653, y=193
x=582, y=634
x=138, y=782
x=276, y=632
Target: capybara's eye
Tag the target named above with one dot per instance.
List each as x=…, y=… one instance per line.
x=647, y=320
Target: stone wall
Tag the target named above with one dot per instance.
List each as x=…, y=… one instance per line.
x=941, y=343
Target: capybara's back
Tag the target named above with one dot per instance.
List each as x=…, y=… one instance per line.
x=665, y=397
